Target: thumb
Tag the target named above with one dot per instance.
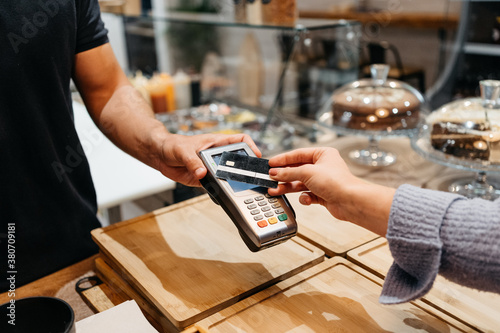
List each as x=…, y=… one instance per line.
x=194, y=165
x=309, y=198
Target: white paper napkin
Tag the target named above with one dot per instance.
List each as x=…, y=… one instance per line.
x=123, y=318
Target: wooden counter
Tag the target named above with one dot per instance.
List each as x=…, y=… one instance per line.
x=188, y=260
x=186, y=264
x=334, y=296
x=476, y=308
x=319, y=227
x=60, y=284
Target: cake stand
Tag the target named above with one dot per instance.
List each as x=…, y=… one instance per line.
x=373, y=155
x=482, y=185
x=479, y=186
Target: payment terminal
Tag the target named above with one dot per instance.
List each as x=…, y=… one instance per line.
x=261, y=219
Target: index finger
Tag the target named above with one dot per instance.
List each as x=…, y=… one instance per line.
x=235, y=138
x=295, y=157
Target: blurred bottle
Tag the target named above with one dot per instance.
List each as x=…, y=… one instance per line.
x=195, y=89
x=254, y=11
x=182, y=88
x=240, y=12
x=169, y=84
x=162, y=93
x=140, y=82
x=158, y=94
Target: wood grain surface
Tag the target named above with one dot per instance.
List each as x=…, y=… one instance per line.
x=101, y=298
x=333, y=296
x=117, y=284
x=319, y=227
x=390, y=18
x=189, y=261
x=478, y=309
x=51, y=284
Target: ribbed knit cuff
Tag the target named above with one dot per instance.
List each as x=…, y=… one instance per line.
x=413, y=235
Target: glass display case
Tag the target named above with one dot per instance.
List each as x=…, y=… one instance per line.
x=281, y=72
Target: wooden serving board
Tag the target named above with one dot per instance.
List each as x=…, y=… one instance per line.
x=478, y=309
x=120, y=287
x=189, y=261
x=318, y=226
x=334, y=296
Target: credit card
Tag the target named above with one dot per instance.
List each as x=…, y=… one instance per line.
x=246, y=169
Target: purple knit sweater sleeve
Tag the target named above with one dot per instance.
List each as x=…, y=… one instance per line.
x=430, y=232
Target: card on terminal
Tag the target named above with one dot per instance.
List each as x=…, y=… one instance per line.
x=246, y=169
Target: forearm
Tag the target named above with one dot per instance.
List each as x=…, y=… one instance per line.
x=128, y=121
x=432, y=231
x=367, y=205
x=116, y=107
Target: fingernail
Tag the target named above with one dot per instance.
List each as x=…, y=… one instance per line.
x=304, y=200
x=199, y=173
x=273, y=172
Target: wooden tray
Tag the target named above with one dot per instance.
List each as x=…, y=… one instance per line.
x=189, y=261
x=318, y=226
x=334, y=296
x=480, y=310
x=114, y=282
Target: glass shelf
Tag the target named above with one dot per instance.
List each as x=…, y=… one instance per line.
x=297, y=66
x=301, y=25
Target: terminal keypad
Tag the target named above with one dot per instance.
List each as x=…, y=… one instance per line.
x=268, y=206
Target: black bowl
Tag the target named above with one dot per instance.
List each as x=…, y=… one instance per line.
x=37, y=314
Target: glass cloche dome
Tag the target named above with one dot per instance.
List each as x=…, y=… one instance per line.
x=375, y=107
x=466, y=131
x=465, y=134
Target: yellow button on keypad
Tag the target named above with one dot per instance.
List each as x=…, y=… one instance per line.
x=273, y=220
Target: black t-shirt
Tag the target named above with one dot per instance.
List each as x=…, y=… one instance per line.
x=47, y=198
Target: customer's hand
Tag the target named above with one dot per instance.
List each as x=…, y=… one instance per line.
x=180, y=161
x=319, y=171
x=325, y=177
